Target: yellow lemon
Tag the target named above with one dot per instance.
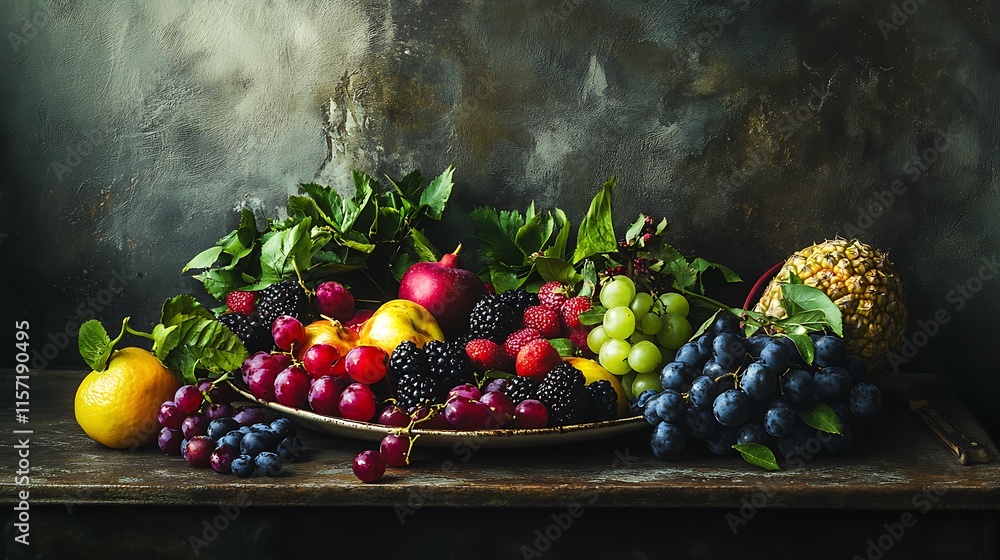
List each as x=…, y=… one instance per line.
x=117, y=407
x=594, y=372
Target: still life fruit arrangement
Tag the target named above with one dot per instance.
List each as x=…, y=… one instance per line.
x=346, y=309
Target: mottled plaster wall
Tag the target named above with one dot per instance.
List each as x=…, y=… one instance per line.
x=130, y=132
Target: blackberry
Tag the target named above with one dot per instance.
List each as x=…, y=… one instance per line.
x=448, y=363
x=602, y=401
x=564, y=393
x=283, y=298
x=521, y=389
x=493, y=319
x=254, y=334
x=407, y=359
x=413, y=390
x=519, y=300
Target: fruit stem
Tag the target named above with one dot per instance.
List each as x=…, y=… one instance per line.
x=130, y=330
x=457, y=249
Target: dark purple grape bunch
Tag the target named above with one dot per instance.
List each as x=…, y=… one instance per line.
x=727, y=389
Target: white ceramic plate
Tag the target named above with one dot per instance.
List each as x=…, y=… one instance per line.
x=449, y=438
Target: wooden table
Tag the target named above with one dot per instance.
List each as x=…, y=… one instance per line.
x=897, y=491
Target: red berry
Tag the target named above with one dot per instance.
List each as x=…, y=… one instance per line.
x=501, y=408
x=291, y=387
x=188, y=399
x=536, y=359
x=486, y=355
x=518, y=339
x=553, y=295
x=198, y=451
x=334, y=300
x=319, y=360
x=542, y=318
x=357, y=402
x=324, y=395
x=241, y=302
x=531, y=414
x=395, y=450
x=578, y=336
x=392, y=415
x=571, y=310
x=366, y=364
x=466, y=390
x=368, y=466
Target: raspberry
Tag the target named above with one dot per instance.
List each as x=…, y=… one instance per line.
x=537, y=358
x=543, y=319
x=553, y=295
x=241, y=302
x=571, y=310
x=486, y=355
x=578, y=336
x=518, y=339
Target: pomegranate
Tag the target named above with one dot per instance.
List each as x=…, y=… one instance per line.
x=449, y=293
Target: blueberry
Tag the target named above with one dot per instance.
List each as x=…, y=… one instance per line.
x=753, y=432
x=722, y=440
x=729, y=349
x=726, y=323
x=184, y=446
x=232, y=439
x=261, y=427
x=703, y=392
x=243, y=466
x=776, y=355
x=832, y=384
x=857, y=369
x=731, y=408
x=220, y=427
x=830, y=351
x=798, y=386
x=676, y=375
x=245, y=430
x=699, y=422
x=668, y=440
x=779, y=419
x=268, y=464
x=865, y=400
x=290, y=449
x=283, y=428
x=255, y=443
x=759, y=381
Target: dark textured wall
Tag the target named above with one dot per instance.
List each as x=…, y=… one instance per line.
x=130, y=133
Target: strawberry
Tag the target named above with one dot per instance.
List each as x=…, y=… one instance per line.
x=571, y=310
x=553, y=295
x=537, y=358
x=241, y=302
x=486, y=355
x=543, y=319
x=518, y=339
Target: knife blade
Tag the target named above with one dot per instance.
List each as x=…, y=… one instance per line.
x=964, y=447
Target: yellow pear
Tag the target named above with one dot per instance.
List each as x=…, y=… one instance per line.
x=399, y=320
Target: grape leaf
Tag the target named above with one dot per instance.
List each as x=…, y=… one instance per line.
x=435, y=196
x=564, y=346
x=535, y=233
x=496, y=240
x=218, y=283
x=758, y=455
x=204, y=259
x=821, y=417
x=632, y=233
x=597, y=231
x=593, y=316
x=286, y=251
x=553, y=269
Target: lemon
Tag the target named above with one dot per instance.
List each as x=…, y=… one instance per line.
x=117, y=407
x=594, y=372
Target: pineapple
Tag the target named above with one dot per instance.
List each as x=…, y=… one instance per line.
x=862, y=282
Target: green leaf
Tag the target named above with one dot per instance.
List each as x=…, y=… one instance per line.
x=409, y=186
x=246, y=236
x=557, y=270
x=632, y=233
x=425, y=250
x=286, y=251
x=821, y=417
x=593, y=316
x=496, y=241
x=95, y=344
x=589, y=275
x=675, y=265
x=558, y=248
x=794, y=278
x=504, y=277
x=700, y=265
x=403, y=260
x=533, y=235
x=564, y=346
x=801, y=297
x=805, y=346
x=758, y=455
x=178, y=309
x=355, y=240
x=165, y=339
x=660, y=227
x=204, y=259
x=218, y=283
x=435, y=196
x=704, y=326
x=597, y=232
x=206, y=344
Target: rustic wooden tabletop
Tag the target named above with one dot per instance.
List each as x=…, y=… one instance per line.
x=895, y=463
